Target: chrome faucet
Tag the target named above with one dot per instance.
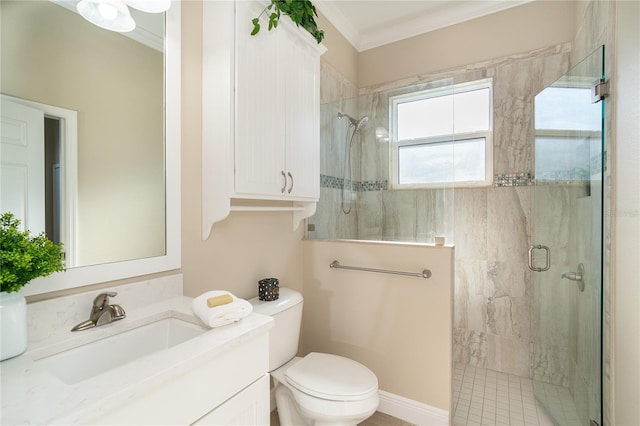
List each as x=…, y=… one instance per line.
x=102, y=312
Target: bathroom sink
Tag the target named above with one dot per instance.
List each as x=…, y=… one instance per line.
x=86, y=361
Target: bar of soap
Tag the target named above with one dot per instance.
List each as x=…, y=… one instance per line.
x=212, y=302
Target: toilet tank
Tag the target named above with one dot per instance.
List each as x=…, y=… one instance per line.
x=285, y=334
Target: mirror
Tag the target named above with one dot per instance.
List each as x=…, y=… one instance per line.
x=127, y=209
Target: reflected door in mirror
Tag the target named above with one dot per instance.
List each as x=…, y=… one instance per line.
x=115, y=209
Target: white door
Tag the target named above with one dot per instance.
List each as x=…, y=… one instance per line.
x=22, y=164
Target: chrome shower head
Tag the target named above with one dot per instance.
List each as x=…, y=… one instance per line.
x=363, y=122
x=352, y=120
x=358, y=124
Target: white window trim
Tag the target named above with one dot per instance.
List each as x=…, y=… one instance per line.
x=394, y=145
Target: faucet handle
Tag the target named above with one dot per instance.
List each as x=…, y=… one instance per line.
x=102, y=299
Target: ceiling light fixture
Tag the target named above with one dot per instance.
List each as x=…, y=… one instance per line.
x=150, y=6
x=114, y=14
x=108, y=14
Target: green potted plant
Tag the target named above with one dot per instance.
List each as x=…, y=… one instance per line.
x=301, y=12
x=22, y=258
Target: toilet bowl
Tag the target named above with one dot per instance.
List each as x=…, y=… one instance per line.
x=318, y=389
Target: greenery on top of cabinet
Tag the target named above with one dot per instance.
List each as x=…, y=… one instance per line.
x=302, y=12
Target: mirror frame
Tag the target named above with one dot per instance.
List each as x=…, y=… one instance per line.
x=94, y=274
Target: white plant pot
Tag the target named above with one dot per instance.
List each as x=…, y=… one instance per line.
x=13, y=323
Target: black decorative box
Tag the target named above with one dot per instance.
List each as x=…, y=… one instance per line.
x=268, y=289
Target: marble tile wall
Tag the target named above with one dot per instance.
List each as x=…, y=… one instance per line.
x=337, y=94
x=555, y=314
x=334, y=87
x=555, y=347
x=493, y=294
x=376, y=213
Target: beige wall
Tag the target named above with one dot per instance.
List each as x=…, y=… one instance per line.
x=499, y=35
x=245, y=247
x=403, y=332
x=340, y=54
x=398, y=326
x=51, y=55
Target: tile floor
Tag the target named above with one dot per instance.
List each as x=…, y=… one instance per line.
x=487, y=397
x=558, y=402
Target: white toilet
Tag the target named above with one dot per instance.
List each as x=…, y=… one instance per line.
x=319, y=389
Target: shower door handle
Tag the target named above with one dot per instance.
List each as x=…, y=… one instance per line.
x=548, y=258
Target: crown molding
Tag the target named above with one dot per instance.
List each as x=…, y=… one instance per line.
x=456, y=12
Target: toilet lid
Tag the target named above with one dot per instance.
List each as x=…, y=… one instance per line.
x=332, y=377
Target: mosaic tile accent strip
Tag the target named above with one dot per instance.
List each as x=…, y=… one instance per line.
x=372, y=185
x=500, y=180
x=514, y=179
x=339, y=183
x=331, y=182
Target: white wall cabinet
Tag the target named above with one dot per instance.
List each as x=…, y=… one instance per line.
x=261, y=113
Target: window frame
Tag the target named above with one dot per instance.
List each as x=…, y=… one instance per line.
x=449, y=90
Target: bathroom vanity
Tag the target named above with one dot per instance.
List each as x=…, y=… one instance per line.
x=200, y=376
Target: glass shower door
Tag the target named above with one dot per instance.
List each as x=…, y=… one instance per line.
x=566, y=255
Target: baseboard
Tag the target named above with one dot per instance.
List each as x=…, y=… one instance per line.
x=402, y=408
x=412, y=411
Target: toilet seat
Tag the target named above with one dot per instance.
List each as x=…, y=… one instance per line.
x=332, y=377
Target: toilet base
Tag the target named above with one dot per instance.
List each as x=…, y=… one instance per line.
x=326, y=413
x=287, y=412
x=291, y=414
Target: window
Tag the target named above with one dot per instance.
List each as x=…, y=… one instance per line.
x=442, y=136
x=568, y=134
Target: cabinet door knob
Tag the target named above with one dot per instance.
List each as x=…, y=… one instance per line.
x=284, y=182
x=291, y=187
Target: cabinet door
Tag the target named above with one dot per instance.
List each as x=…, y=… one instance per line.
x=259, y=110
x=249, y=407
x=302, y=118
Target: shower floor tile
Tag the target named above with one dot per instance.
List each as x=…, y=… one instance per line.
x=486, y=397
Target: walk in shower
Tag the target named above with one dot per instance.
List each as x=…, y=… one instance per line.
x=357, y=200
x=528, y=268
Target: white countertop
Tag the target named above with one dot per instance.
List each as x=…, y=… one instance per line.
x=31, y=395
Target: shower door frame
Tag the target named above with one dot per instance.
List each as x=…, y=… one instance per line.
x=557, y=272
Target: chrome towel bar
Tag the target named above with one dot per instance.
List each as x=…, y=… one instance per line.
x=424, y=274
